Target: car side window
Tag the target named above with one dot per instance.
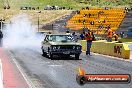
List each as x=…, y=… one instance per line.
x=46, y=38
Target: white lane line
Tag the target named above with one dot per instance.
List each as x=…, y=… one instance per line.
x=128, y=60
x=28, y=81
x=1, y=76
x=117, y=58
x=55, y=65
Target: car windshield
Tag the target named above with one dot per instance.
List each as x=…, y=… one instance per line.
x=61, y=38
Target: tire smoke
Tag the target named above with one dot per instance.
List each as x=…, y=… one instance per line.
x=21, y=33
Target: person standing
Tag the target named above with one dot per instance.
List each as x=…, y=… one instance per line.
x=115, y=36
x=122, y=34
x=75, y=37
x=109, y=34
x=93, y=36
x=82, y=35
x=1, y=36
x=88, y=38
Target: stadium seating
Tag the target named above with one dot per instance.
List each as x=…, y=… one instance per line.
x=97, y=19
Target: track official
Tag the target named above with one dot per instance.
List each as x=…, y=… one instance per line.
x=109, y=35
x=89, y=39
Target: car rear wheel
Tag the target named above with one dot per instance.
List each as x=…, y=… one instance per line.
x=77, y=56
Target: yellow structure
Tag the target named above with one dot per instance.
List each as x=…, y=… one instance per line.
x=108, y=48
x=97, y=19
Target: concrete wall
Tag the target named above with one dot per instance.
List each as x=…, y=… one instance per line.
x=109, y=48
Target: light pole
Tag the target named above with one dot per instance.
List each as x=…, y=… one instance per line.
x=38, y=20
x=1, y=24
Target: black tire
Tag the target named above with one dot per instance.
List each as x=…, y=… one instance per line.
x=66, y=56
x=50, y=55
x=44, y=53
x=77, y=56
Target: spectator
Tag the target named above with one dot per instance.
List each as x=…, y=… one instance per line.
x=87, y=8
x=104, y=21
x=38, y=8
x=78, y=12
x=33, y=8
x=63, y=8
x=88, y=38
x=109, y=34
x=106, y=8
x=100, y=26
x=126, y=9
x=99, y=21
x=75, y=37
x=79, y=21
x=122, y=34
x=8, y=7
x=4, y=7
x=26, y=8
x=115, y=36
x=83, y=8
x=92, y=22
x=30, y=8
x=82, y=35
x=89, y=15
x=93, y=36
x=85, y=15
x=84, y=21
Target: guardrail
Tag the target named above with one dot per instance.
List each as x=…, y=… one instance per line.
x=108, y=48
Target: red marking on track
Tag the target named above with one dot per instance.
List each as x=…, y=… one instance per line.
x=12, y=78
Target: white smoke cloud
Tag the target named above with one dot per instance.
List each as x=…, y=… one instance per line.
x=21, y=33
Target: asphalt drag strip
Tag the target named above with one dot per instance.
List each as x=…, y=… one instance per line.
x=46, y=73
x=12, y=78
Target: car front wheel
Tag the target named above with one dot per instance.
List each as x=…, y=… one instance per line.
x=44, y=53
x=77, y=56
x=50, y=55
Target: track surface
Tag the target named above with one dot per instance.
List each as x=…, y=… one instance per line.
x=46, y=73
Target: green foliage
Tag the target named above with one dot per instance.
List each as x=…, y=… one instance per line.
x=76, y=4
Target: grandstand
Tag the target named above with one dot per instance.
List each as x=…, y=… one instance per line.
x=97, y=20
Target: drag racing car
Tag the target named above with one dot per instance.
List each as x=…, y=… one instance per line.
x=60, y=45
